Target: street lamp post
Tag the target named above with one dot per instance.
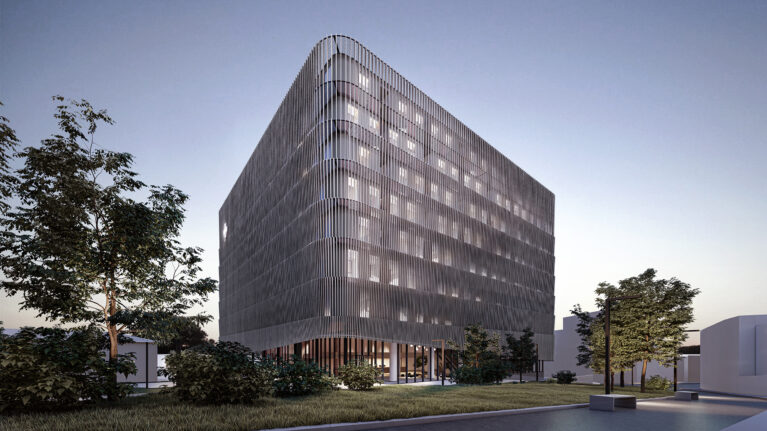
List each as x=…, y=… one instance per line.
x=607, y=337
x=675, y=356
x=443, y=359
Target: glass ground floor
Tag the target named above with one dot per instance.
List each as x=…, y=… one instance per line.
x=398, y=362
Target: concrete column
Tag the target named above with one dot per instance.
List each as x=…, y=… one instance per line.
x=432, y=360
x=393, y=362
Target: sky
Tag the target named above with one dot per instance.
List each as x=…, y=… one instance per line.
x=648, y=120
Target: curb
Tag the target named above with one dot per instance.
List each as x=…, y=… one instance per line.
x=347, y=426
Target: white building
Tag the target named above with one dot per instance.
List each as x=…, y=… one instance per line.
x=733, y=356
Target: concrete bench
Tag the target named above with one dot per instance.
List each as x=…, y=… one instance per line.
x=686, y=395
x=610, y=402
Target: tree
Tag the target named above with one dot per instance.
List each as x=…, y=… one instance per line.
x=622, y=355
x=654, y=323
x=521, y=352
x=81, y=247
x=479, y=357
x=8, y=143
x=175, y=334
x=583, y=329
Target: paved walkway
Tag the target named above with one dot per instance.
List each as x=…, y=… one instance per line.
x=712, y=412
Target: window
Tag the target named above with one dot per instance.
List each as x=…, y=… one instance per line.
x=393, y=273
x=373, y=123
x=364, y=306
x=434, y=191
x=364, y=229
x=411, y=146
x=448, y=198
x=393, y=136
x=419, y=318
x=419, y=247
x=441, y=165
x=352, y=192
x=448, y=140
x=472, y=211
x=402, y=107
x=375, y=196
x=466, y=180
x=410, y=211
x=394, y=205
x=403, y=316
x=418, y=180
x=353, y=112
x=478, y=240
x=364, y=155
x=478, y=187
x=435, y=252
x=441, y=224
x=484, y=216
x=472, y=268
x=447, y=257
x=364, y=81
x=403, y=241
x=352, y=268
x=418, y=119
x=434, y=129
x=467, y=235
x=454, y=172
x=516, y=210
x=375, y=269
x=402, y=177
x=454, y=232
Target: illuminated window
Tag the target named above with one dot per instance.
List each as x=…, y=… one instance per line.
x=393, y=273
x=364, y=306
x=364, y=154
x=434, y=321
x=352, y=192
x=353, y=112
x=418, y=180
x=448, y=198
x=419, y=318
x=448, y=140
x=375, y=196
x=478, y=240
x=472, y=211
x=466, y=180
x=373, y=123
x=410, y=211
x=441, y=224
x=403, y=316
x=434, y=129
x=394, y=205
x=478, y=187
x=434, y=252
x=411, y=146
x=352, y=267
x=441, y=164
x=472, y=269
x=516, y=210
x=418, y=247
x=364, y=229
x=403, y=241
x=393, y=136
x=454, y=231
x=418, y=119
x=483, y=216
x=402, y=107
x=364, y=81
x=447, y=257
x=454, y=172
x=375, y=268
x=434, y=191
x=467, y=235
x=402, y=177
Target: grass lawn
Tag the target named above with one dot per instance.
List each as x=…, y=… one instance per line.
x=163, y=411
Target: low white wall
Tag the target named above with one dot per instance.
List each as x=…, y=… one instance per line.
x=733, y=356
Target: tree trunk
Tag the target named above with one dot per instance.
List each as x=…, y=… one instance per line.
x=112, y=331
x=644, y=371
x=623, y=382
x=612, y=381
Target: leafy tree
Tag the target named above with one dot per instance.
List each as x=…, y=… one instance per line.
x=174, y=333
x=8, y=143
x=653, y=324
x=82, y=247
x=583, y=329
x=622, y=355
x=480, y=361
x=521, y=352
x=359, y=375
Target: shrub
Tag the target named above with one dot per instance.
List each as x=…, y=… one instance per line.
x=658, y=383
x=298, y=377
x=564, y=377
x=217, y=373
x=359, y=375
x=53, y=368
x=489, y=369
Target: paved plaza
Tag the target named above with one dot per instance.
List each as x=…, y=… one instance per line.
x=712, y=412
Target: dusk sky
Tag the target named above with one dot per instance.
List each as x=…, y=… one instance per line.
x=648, y=120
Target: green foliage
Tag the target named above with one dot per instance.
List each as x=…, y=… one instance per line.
x=480, y=361
x=81, y=245
x=8, y=143
x=218, y=373
x=583, y=329
x=359, y=375
x=174, y=333
x=53, y=368
x=564, y=377
x=520, y=353
x=298, y=377
x=658, y=383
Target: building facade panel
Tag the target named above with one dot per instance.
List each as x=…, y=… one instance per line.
x=368, y=211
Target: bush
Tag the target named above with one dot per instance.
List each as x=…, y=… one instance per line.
x=359, y=375
x=658, y=383
x=564, y=377
x=53, y=368
x=491, y=369
x=217, y=373
x=298, y=377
